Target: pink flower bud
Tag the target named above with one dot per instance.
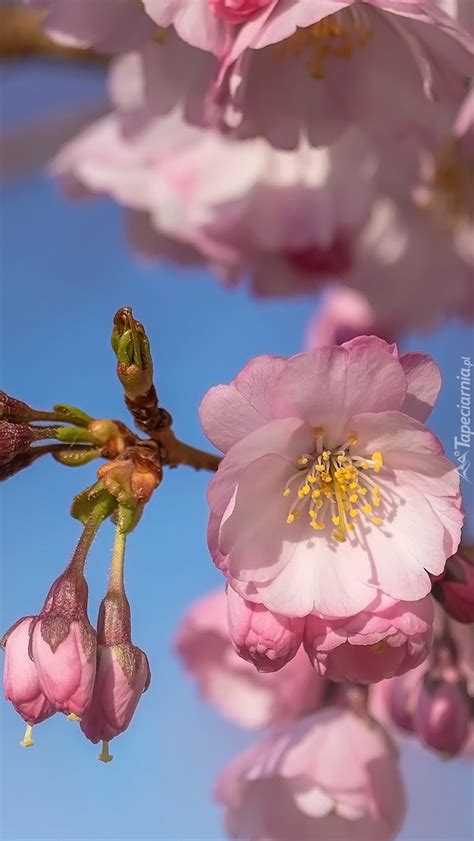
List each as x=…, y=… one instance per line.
x=63, y=645
x=237, y=11
x=455, y=590
x=20, y=678
x=123, y=674
x=265, y=639
x=15, y=439
x=442, y=715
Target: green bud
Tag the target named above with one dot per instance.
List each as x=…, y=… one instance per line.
x=74, y=435
x=132, y=348
x=127, y=517
x=72, y=415
x=79, y=457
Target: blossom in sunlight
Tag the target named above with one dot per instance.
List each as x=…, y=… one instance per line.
x=332, y=490
x=104, y=25
x=342, y=315
x=20, y=678
x=332, y=775
x=63, y=645
x=249, y=698
x=319, y=59
x=387, y=639
x=123, y=674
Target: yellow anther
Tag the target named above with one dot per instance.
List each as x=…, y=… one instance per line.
x=339, y=536
x=286, y=492
x=367, y=508
x=320, y=468
x=27, y=741
x=317, y=526
x=311, y=479
x=350, y=527
x=354, y=512
x=73, y=717
x=362, y=491
x=316, y=494
x=105, y=755
x=326, y=455
x=377, y=457
x=303, y=461
x=326, y=477
x=353, y=486
x=313, y=513
x=364, y=465
x=377, y=520
x=304, y=491
x=353, y=498
x=335, y=519
x=290, y=519
x=376, y=501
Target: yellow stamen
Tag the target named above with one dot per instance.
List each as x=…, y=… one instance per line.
x=286, y=492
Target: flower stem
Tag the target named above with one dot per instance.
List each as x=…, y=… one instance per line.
x=116, y=574
x=100, y=512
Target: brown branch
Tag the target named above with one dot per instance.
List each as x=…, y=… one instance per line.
x=21, y=35
x=175, y=452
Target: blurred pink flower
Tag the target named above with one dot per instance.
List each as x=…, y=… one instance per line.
x=329, y=475
x=388, y=639
x=319, y=60
x=267, y=640
x=330, y=775
x=20, y=678
x=285, y=219
x=342, y=315
x=104, y=25
x=122, y=676
x=243, y=695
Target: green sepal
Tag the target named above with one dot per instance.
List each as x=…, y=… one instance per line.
x=92, y=499
x=77, y=458
x=127, y=517
x=72, y=414
x=74, y=435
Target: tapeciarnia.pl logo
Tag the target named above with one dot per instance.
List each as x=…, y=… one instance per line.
x=463, y=440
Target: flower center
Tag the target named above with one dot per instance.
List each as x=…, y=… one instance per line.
x=335, y=482
x=336, y=35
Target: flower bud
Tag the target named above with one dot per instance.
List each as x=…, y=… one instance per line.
x=131, y=478
x=266, y=639
x=20, y=678
x=15, y=439
x=455, y=590
x=442, y=715
x=132, y=348
x=14, y=410
x=63, y=645
x=123, y=674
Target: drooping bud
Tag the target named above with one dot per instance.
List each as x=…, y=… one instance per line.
x=20, y=677
x=266, y=639
x=15, y=440
x=442, y=714
x=63, y=641
x=123, y=673
x=14, y=410
x=455, y=590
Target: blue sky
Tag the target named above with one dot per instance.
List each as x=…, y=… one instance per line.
x=65, y=270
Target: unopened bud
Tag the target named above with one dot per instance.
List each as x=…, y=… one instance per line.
x=442, y=715
x=14, y=410
x=15, y=440
x=132, y=478
x=455, y=590
x=132, y=348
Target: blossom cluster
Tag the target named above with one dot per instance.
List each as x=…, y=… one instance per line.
x=289, y=144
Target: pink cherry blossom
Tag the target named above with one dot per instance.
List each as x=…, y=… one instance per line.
x=330, y=775
x=267, y=640
x=20, y=678
x=388, y=639
x=107, y=26
x=342, y=315
x=123, y=674
x=319, y=60
x=332, y=489
x=249, y=698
